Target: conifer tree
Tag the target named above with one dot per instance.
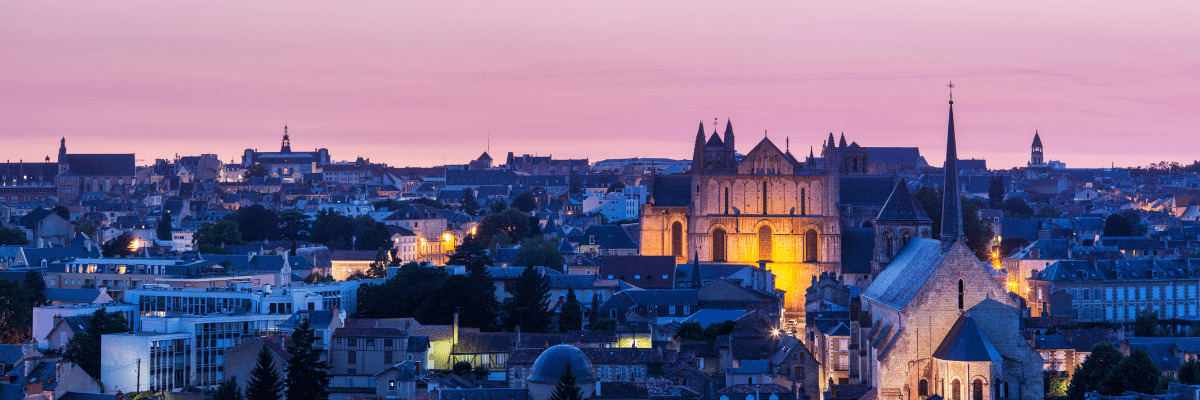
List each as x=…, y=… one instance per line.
x=264, y=381
x=307, y=374
x=570, y=316
x=566, y=389
x=528, y=306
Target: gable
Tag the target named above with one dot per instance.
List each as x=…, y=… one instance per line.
x=766, y=159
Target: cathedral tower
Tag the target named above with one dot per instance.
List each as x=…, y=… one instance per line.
x=286, y=146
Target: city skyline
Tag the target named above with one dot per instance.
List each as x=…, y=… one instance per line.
x=429, y=84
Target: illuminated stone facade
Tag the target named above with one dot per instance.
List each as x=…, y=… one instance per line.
x=767, y=208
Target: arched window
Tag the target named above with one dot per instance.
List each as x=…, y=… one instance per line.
x=727, y=200
x=677, y=239
x=923, y=388
x=803, y=202
x=955, y=389
x=887, y=243
x=868, y=224
x=718, y=245
x=977, y=390
x=764, y=243
x=960, y=294
x=810, y=246
x=764, y=198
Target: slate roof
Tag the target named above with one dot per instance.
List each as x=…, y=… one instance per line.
x=672, y=190
x=10, y=353
x=858, y=246
x=906, y=274
x=87, y=396
x=1020, y=228
x=484, y=394
x=610, y=237
x=902, y=206
x=100, y=164
x=897, y=155
x=706, y=317
x=72, y=295
x=864, y=190
x=629, y=266
x=1116, y=270
x=1162, y=353
x=964, y=342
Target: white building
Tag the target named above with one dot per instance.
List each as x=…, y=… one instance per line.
x=140, y=361
x=45, y=317
x=618, y=205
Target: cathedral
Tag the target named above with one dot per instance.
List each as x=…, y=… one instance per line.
x=767, y=208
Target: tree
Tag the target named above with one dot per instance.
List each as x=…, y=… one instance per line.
x=378, y=267
x=1055, y=384
x=12, y=237
x=1010, y=244
x=461, y=368
x=35, y=288
x=470, y=252
x=333, y=229
x=306, y=375
x=84, y=347
x=690, y=331
x=566, y=389
x=469, y=204
x=256, y=171
x=62, y=212
x=539, y=252
x=163, y=230
x=264, y=383
x=516, y=224
x=256, y=223
x=481, y=299
x=570, y=316
x=294, y=226
x=530, y=298
x=1116, y=225
x=370, y=234
x=1146, y=324
x=1095, y=367
x=525, y=202
x=1189, y=372
x=604, y=324
x=120, y=246
x=228, y=390
x=212, y=237
x=1015, y=207
x=1135, y=373
x=594, y=312
x=996, y=192
x=15, y=312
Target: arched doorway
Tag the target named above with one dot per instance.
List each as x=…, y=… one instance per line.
x=810, y=246
x=764, y=243
x=677, y=239
x=955, y=390
x=718, y=245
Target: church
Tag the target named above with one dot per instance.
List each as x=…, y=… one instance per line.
x=772, y=209
x=935, y=322
x=286, y=162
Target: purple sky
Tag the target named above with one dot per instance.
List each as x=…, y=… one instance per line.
x=426, y=82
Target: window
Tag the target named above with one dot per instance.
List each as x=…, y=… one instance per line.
x=677, y=239
x=803, y=202
x=726, y=200
x=977, y=390
x=923, y=388
x=960, y=294
x=352, y=342
x=351, y=356
x=718, y=245
x=764, y=200
x=955, y=388
x=391, y=384
x=370, y=342
x=764, y=243
x=810, y=246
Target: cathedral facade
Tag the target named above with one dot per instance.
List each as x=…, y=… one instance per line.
x=767, y=208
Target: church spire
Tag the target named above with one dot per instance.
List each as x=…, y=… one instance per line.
x=698, y=152
x=729, y=135
x=951, y=205
x=62, y=148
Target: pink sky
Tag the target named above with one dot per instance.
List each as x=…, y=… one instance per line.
x=422, y=83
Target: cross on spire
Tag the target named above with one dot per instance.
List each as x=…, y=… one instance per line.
x=951, y=86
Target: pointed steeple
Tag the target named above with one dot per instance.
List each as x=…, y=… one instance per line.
x=696, y=282
x=830, y=140
x=842, y=142
x=1037, y=139
x=951, y=205
x=62, y=148
x=697, y=153
x=729, y=135
x=286, y=146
